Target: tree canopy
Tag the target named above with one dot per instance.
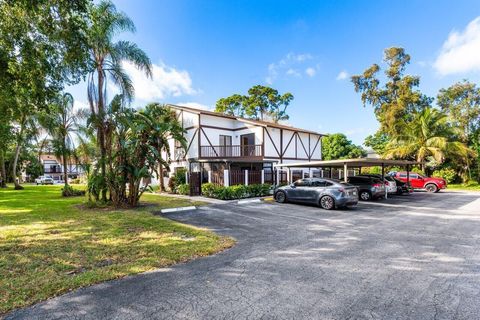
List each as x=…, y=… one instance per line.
x=261, y=103
x=337, y=146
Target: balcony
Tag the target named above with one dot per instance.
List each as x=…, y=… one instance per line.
x=235, y=151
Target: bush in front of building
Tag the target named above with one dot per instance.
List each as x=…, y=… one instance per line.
x=68, y=191
x=235, y=192
x=450, y=175
x=183, y=189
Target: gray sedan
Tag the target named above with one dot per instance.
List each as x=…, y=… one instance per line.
x=326, y=193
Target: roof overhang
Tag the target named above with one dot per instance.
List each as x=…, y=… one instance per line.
x=360, y=162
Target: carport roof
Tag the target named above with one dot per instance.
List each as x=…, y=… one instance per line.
x=360, y=162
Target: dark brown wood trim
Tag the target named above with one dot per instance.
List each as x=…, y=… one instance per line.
x=296, y=151
x=309, y=150
x=199, y=137
x=273, y=143
x=301, y=142
x=190, y=144
x=209, y=142
x=281, y=143
x=315, y=147
x=288, y=144
x=192, y=127
x=221, y=128
x=263, y=141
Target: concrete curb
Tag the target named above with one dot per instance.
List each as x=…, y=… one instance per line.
x=178, y=209
x=248, y=201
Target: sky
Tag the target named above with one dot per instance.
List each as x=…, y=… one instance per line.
x=203, y=50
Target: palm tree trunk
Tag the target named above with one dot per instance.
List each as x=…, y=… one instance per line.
x=160, y=177
x=101, y=133
x=65, y=174
x=3, y=183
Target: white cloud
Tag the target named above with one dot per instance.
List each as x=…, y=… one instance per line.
x=286, y=66
x=460, y=52
x=293, y=72
x=165, y=82
x=310, y=72
x=342, y=75
x=195, y=105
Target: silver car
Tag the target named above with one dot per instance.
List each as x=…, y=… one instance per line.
x=326, y=193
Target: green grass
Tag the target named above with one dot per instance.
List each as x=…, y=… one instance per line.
x=471, y=186
x=50, y=245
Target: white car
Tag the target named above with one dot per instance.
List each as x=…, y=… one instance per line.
x=44, y=180
x=390, y=183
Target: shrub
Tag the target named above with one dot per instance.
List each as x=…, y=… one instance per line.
x=75, y=181
x=235, y=192
x=68, y=191
x=183, y=189
x=450, y=175
x=210, y=190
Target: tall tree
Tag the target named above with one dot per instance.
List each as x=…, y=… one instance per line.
x=232, y=106
x=337, y=146
x=42, y=47
x=461, y=103
x=61, y=124
x=261, y=103
x=395, y=101
x=163, y=125
x=428, y=135
x=106, y=57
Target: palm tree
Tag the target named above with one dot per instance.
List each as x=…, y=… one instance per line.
x=106, y=57
x=428, y=135
x=60, y=124
x=163, y=125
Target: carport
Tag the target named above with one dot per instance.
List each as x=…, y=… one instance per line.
x=346, y=164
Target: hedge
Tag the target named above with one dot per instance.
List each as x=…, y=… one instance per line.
x=235, y=192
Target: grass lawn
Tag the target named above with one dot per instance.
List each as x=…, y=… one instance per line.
x=472, y=186
x=50, y=245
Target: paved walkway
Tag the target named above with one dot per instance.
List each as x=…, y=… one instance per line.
x=411, y=257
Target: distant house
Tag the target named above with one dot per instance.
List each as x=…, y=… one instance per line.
x=53, y=166
x=217, y=142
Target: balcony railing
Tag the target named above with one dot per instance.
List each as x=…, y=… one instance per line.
x=235, y=151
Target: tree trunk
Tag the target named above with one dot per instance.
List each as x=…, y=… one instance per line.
x=160, y=177
x=17, y=154
x=101, y=134
x=14, y=167
x=3, y=183
x=65, y=174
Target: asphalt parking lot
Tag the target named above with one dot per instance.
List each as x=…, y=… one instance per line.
x=409, y=257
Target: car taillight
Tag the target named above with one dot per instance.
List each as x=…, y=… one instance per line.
x=387, y=183
x=377, y=185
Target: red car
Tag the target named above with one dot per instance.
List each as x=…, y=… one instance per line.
x=417, y=181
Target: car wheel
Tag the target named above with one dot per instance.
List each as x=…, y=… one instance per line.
x=281, y=197
x=365, y=196
x=327, y=203
x=431, y=187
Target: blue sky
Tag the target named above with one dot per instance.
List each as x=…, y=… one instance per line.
x=207, y=49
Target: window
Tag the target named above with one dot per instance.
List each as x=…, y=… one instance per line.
x=403, y=175
x=301, y=183
x=225, y=145
x=318, y=183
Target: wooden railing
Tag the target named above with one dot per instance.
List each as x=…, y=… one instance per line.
x=236, y=151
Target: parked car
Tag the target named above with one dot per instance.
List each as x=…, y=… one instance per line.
x=44, y=180
x=326, y=193
x=390, y=182
x=417, y=181
x=368, y=187
x=402, y=187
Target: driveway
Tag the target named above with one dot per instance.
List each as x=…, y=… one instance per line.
x=411, y=257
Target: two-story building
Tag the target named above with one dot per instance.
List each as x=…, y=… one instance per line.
x=53, y=166
x=217, y=142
